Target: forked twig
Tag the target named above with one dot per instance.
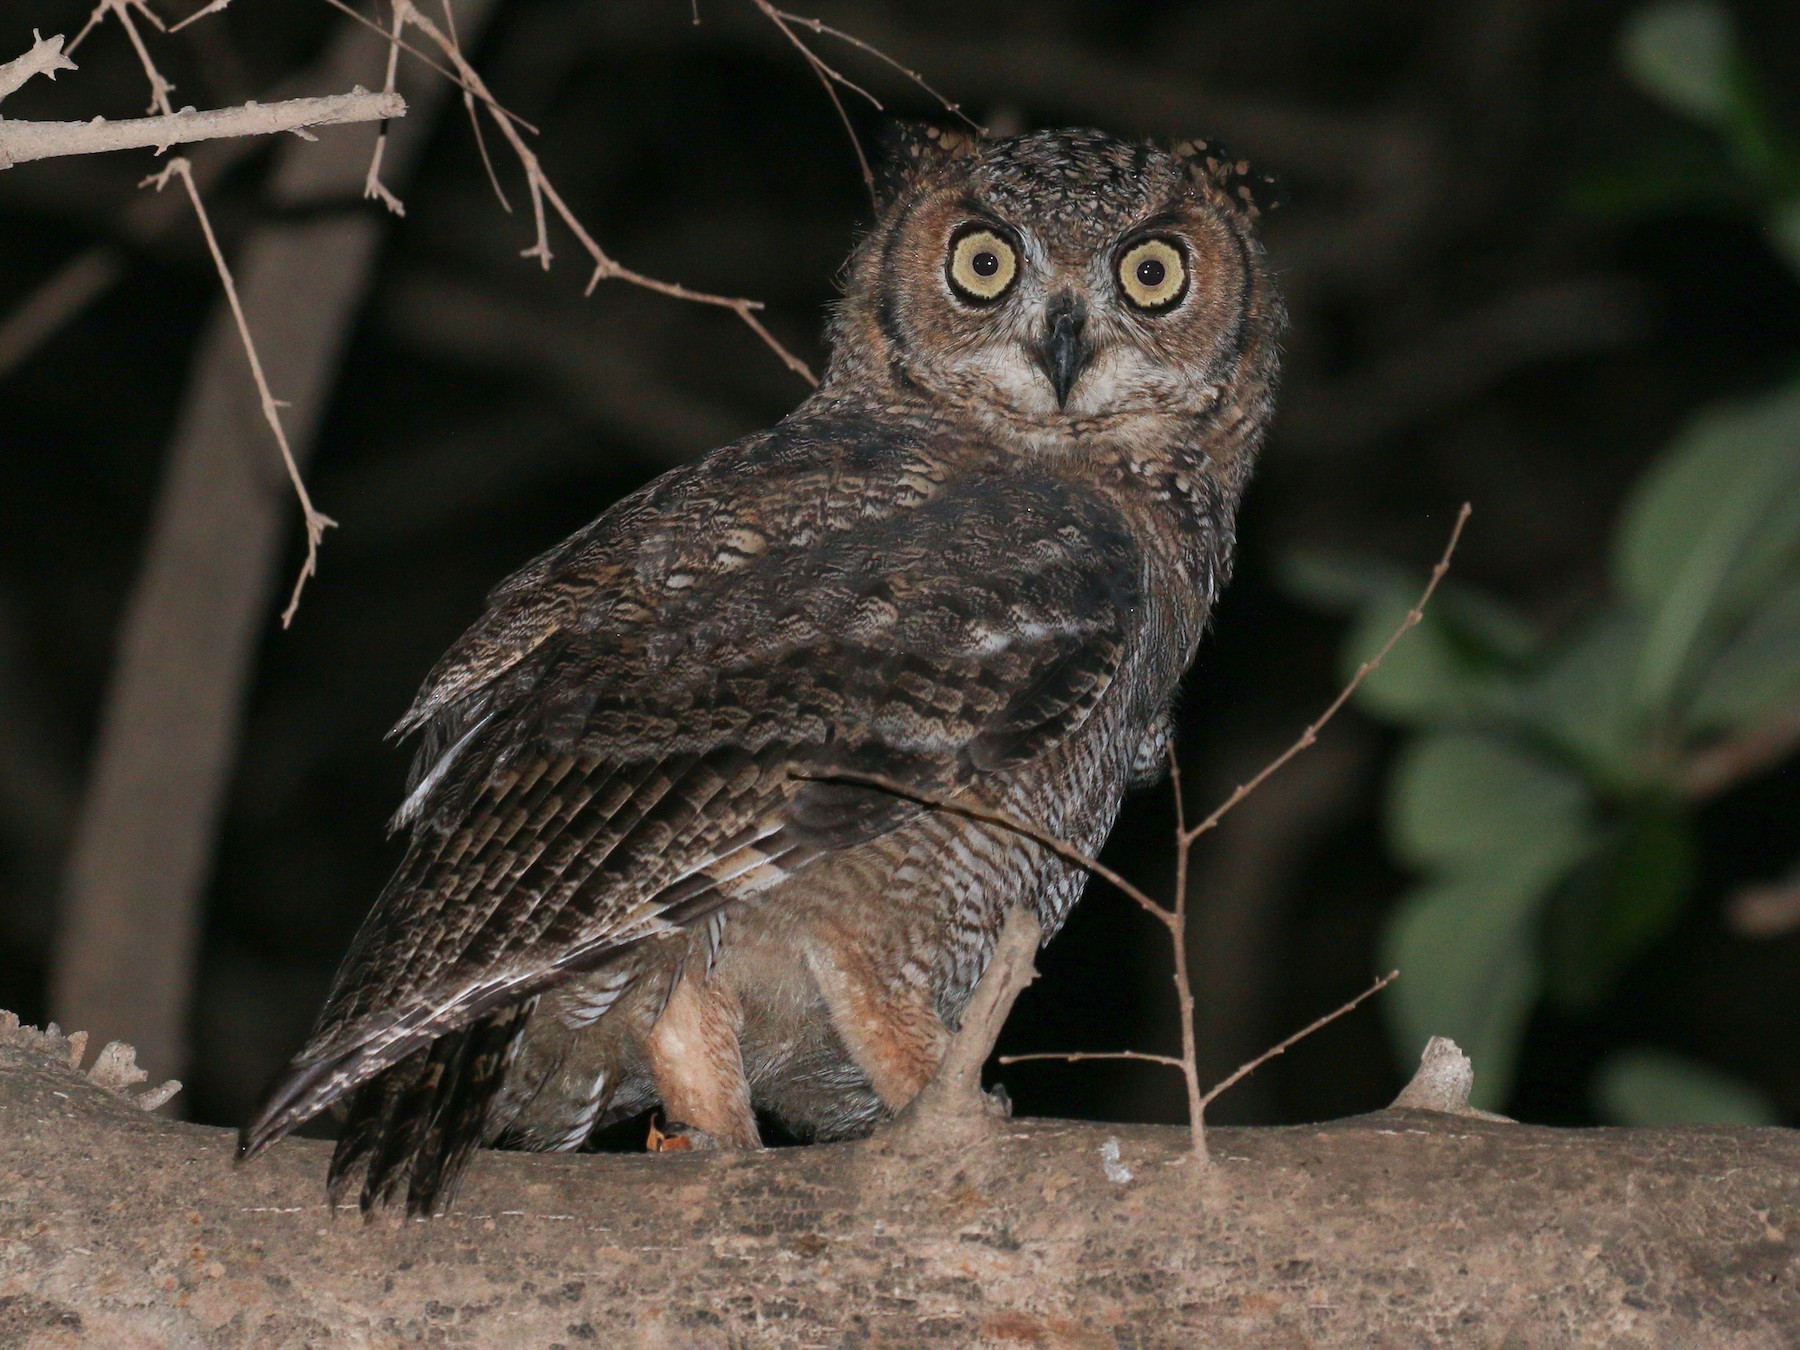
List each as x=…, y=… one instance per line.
x=830, y=77
x=544, y=194
x=1174, y=918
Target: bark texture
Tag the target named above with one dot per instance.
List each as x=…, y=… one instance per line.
x=1402, y=1228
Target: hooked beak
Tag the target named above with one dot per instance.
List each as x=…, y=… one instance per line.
x=1063, y=354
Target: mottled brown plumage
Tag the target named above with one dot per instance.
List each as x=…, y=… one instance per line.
x=978, y=559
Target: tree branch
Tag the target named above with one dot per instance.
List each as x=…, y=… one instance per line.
x=21, y=142
x=1401, y=1227
x=45, y=58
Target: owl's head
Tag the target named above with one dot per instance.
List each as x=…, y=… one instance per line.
x=1059, y=285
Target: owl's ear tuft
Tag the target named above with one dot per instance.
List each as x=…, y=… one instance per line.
x=910, y=150
x=1210, y=164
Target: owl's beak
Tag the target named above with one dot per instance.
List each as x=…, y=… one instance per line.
x=1064, y=352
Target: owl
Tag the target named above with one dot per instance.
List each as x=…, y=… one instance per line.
x=978, y=560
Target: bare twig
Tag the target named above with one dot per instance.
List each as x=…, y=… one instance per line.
x=215, y=7
x=1067, y=852
x=45, y=58
x=544, y=193
x=487, y=161
x=1366, y=669
x=21, y=142
x=870, y=49
x=829, y=78
x=372, y=184
x=367, y=106
x=1077, y=1056
x=160, y=88
x=316, y=522
x=1238, y=1075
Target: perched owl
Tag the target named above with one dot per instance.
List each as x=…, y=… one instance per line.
x=978, y=560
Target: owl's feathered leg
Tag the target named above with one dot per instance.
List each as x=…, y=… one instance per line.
x=698, y=1065
x=891, y=1027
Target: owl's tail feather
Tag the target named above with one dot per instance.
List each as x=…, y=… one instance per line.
x=416, y=1125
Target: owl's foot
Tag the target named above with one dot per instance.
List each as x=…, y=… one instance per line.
x=679, y=1138
x=699, y=1070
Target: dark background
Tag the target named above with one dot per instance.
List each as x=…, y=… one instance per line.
x=1462, y=329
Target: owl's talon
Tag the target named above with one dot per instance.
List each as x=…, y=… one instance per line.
x=678, y=1138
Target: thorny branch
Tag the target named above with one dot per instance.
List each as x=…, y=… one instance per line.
x=1174, y=918
x=543, y=192
x=21, y=142
x=45, y=58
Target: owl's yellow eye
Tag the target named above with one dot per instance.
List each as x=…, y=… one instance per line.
x=1153, y=274
x=982, y=266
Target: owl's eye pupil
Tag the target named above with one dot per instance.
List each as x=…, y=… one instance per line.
x=1151, y=272
x=985, y=264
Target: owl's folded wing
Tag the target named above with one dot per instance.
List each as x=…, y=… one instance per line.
x=634, y=778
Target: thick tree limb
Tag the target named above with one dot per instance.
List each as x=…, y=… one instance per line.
x=1400, y=1228
x=23, y=141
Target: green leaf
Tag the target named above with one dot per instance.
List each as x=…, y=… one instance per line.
x=1581, y=697
x=1653, y=1087
x=1715, y=521
x=1468, y=971
x=1461, y=800
x=1619, y=901
x=1681, y=53
x=1758, y=672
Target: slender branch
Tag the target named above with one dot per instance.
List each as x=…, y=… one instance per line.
x=45, y=58
x=21, y=142
x=160, y=88
x=1175, y=918
x=870, y=49
x=828, y=78
x=1244, y=1071
x=1367, y=668
x=487, y=160
x=215, y=7
x=543, y=192
x=316, y=522
x=1067, y=852
x=1180, y=972
x=1077, y=1056
x=493, y=106
x=373, y=187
